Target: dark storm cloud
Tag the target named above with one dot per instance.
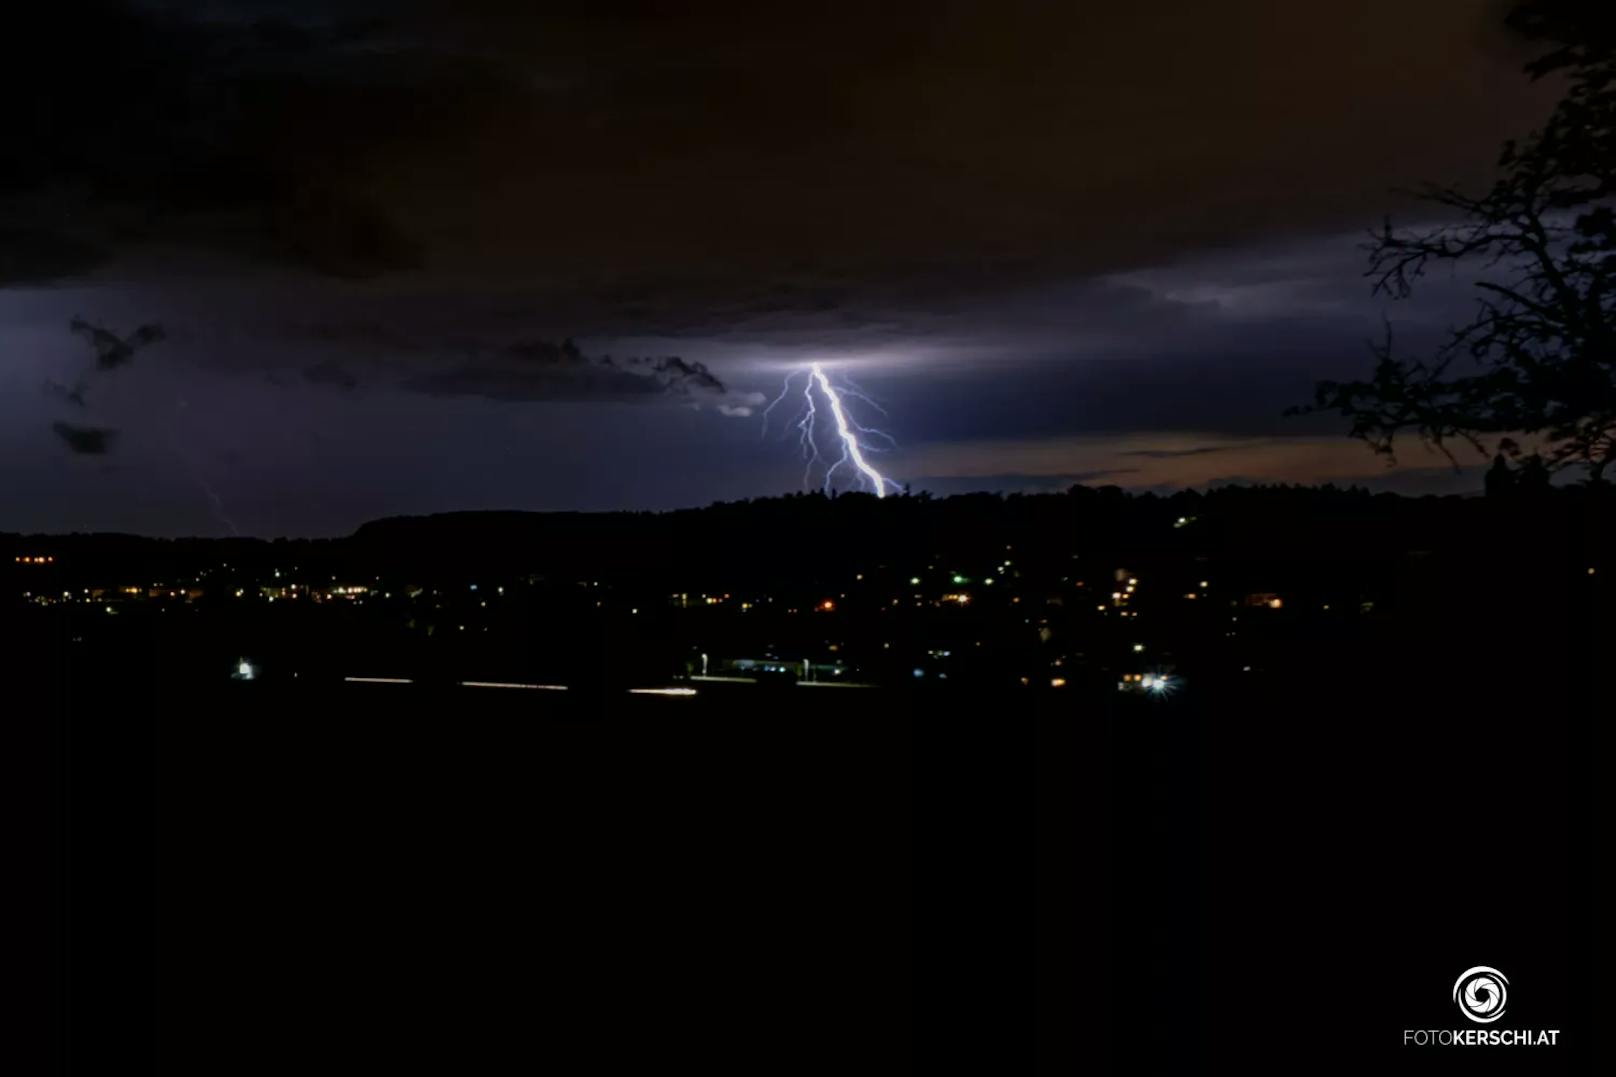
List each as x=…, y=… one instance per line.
x=34, y=254
x=128, y=126
x=85, y=440
x=684, y=375
x=841, y=177
x=111, y=350
x=804, y=155
x=1049, y=230
x=467, y=349
x=339, y=236
x=550, y=370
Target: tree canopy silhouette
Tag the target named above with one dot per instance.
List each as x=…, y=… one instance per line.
x=1536, y=360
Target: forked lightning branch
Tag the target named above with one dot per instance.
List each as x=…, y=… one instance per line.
x=852, y=440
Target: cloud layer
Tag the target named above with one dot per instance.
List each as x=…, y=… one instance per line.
x=1057, y=241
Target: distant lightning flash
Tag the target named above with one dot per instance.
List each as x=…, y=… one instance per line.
x=848, y=430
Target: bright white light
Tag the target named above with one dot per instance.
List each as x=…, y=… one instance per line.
x=378, y=680
x=853, y=450
x=848, y=429
x=683, y=692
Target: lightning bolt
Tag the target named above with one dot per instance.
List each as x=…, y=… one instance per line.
x=848, y=430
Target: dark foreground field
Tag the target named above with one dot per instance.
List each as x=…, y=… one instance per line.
x=1279, y=872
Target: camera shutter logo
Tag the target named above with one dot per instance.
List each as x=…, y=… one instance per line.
x=1480, y=993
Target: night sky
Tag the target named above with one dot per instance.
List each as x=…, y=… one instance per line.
x=1089, y=243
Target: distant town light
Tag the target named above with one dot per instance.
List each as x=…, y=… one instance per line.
x=1138, y=647
x=1057, y=682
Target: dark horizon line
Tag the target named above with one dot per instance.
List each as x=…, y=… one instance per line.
x=1126, y=493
